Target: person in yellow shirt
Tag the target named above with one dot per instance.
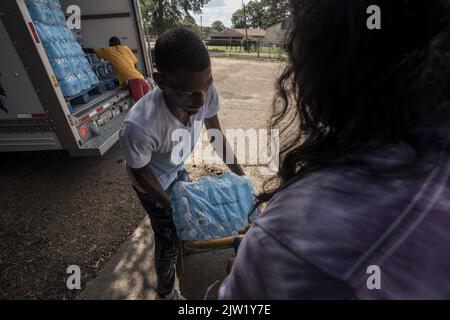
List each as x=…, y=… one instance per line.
x=124, y=62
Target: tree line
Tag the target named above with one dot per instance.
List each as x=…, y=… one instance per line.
x=160, y=15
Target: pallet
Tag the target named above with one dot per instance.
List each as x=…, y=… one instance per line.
x=87, y=95
x=108, y=84
x=84, y=96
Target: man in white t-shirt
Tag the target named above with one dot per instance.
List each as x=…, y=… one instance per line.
x=170, y=116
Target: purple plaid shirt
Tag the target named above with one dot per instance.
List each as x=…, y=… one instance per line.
x=320, y=237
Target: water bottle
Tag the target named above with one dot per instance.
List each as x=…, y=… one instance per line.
x=67, y=34
x=54, y=3
x=70, y=86
x=83, y=80
x=48, y=15
x=73, y=49
x=92, y=77
x=77, y=65
x=52, y=50
x=70, y=62
x=58, y=68
x=58, y=17
x=79, y=50
x=85, y=63
x=63, y=84
x=67, y=67
x=33, y=2
x=105, y=66
x=38, y=13
x=81, y=64
x=59, y=45
x=69, y=50
x=110, y=67
x=54, y=33
x=76, y=85
x=42, y=32
x=100, y=70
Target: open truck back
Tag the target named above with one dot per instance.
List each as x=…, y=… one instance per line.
x=34, y=114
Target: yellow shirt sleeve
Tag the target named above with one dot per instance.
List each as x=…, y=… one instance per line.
x=133, y=57
x=103, y=53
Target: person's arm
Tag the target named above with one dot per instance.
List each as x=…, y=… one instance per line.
x=151, y=185
x=133, y=57
x=214, y=123
x=102, y=53
x=137, y=147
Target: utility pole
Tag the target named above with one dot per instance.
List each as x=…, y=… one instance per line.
x=246, y=32
x=201, y=27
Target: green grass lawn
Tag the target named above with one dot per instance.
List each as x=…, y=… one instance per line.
x=264, y=50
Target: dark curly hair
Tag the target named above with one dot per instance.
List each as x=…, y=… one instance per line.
x=114, y=41
x=345, y=84
x=180, y=48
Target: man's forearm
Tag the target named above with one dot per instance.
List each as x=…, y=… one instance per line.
x=225, y=151
x=235, y=167
x=151, y=185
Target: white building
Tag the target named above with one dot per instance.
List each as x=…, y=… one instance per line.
x=275, y=34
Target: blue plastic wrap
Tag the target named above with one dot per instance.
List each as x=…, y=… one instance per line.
x=64, y=52
x=212, y=207
x=70, y=86
x=83, y=80
x=61, y=68
x=92, y=77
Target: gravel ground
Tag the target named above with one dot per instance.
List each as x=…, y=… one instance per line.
x=58, y=211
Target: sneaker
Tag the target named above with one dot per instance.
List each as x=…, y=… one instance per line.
x=173, y=295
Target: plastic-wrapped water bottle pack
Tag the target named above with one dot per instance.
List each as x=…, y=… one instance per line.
x=212, y=207
x=68, y=61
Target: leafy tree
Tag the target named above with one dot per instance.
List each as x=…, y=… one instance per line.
x=189, y=21
x=261, y=14
x=254, y=14
x=218, y=25
x=160, y=15
x=276, y=11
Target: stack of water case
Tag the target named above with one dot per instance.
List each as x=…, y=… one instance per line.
x=71, y=67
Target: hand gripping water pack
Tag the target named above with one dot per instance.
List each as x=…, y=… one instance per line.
x=212, y=207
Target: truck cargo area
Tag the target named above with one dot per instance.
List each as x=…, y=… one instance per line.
x=40, y=114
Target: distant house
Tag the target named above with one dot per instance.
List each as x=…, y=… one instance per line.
x=253, y=33
x=275, y=34
x=234, y=37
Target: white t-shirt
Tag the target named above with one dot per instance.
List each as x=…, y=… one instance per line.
x=147, y=135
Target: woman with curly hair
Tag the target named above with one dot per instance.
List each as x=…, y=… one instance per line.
x=362, y=206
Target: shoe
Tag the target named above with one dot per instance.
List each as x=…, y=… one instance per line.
x=173, y=295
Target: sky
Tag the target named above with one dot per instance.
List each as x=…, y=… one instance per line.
x=219, y=10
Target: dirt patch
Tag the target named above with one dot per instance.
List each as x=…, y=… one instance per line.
x=55, y=214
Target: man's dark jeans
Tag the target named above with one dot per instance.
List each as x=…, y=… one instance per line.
x=166, y=239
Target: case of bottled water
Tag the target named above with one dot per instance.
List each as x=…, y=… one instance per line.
x=212, y=207
x=66, y=56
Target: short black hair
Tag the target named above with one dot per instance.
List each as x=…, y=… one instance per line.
x=114, y=41
x=180, y=49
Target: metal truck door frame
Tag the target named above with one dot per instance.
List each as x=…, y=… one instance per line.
x=22, y=32
x=148, y=63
